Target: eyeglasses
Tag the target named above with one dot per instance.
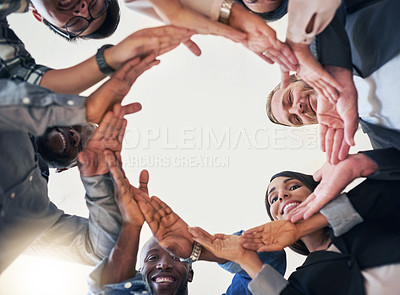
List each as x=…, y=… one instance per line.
x=78, y=24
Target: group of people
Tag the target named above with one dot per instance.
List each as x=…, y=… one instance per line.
x=349, y=238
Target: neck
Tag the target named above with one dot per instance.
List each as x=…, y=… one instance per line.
x=316, y=241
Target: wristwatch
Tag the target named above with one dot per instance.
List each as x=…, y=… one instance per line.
x=101, y=61
x=225, y=11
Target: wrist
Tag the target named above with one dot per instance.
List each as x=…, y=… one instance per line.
x=208, y=256
x=314, y=223
x=103, y=60
x=250, y=263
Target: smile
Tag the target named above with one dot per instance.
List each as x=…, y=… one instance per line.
x=63, y=141
x=290, y=206
x=160, y=280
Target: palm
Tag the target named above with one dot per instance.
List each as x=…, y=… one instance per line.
x=272, y=236
x=169, y=229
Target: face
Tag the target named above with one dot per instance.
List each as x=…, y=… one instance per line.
x=164, y=273
x=60, y=12
x=285, y=194
x=61, y=145
x=296, y=105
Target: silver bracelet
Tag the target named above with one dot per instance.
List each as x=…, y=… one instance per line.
x=225, y=11
x=195, y=255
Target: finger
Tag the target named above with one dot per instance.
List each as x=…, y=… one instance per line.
x=318, y=175
x=264, y=56
x=350, y=128
x=329, y=140
x=143, y=181
x=285, y=79
x=130, y=109
x=253, y=230
x=192, y=47
x=331, y=92
x=344, y=151
x=337, y=144
x=322, y=131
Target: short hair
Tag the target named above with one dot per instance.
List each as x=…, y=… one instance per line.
x=271, y=117
x=298, y=247
x=108, y=27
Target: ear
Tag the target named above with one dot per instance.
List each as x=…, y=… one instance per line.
x=190, y=275
x=35, y=13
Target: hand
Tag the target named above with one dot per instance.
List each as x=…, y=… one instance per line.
x=261, y=38
x=125, y=192
x=169, y=229
x=334, y=178
x=173, y=12
x=223, y=246
x=115, y=89
x=157, y=40
x=272, y=236
x=109, y=135
x=311, y=71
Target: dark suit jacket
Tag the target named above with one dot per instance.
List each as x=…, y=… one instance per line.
x=375, y=242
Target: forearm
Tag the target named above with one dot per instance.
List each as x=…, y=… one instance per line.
x=251, y=263
x=33, y=109
x=105, y=219
x=75, y=79
x=314, y=223
x=122, y=261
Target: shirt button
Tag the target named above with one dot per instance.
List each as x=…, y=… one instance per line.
x=26, y=100
x=128, y=285
x=12, y=195
x=70, y=102
x=30, y=178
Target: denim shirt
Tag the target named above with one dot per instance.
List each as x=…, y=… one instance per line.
x=27, y=216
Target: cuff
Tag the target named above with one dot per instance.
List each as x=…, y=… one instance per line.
x=341, y=215
x=98, y=186
x=267, y=281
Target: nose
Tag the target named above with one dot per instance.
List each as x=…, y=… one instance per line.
x=74, y=137
x=297, y=108
x=164, y=264
x=82, y=9
x=282, y=196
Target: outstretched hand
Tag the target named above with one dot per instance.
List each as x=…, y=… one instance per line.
x=223, y=246
x=311, y=71
x=116, y=88
x=333, y=179
x=261, y=38
x=271, y=236
x=125, y=193
x=169, y=229
x=108, y=135
x=157, y=40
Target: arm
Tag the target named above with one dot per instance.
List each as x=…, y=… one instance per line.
x=139, y=44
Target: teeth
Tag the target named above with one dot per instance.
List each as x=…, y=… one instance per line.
x=164, y=279
x=64, y=142
x=289, y=205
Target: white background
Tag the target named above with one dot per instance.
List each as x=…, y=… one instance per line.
x=185, y=99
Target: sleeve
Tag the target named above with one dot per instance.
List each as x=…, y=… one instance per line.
x=307, y=18
x=341, y=215
x=12, y=6
x=340, y=212
x=126, y=287
x=332, y=46
x=33, y=109
x=276, y=259
x=80, y=239
x=388, y=161
x=268, y=281
x=209, y=8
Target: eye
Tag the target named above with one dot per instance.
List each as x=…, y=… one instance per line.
x=152, y=258
x=298, y=120
x=290, y=98
x=273, y=200
x=294, y=187
x=175, y=258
